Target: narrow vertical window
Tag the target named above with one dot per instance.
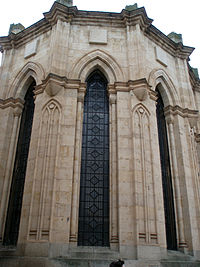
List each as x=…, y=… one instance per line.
x=166, y=177
x=19, y=171
x=94, y=182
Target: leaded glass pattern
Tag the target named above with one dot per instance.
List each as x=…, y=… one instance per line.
x=94, y=181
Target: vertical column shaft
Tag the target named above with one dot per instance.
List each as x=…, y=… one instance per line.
x=114, y=188
x=9, y=168
x=76, y=171
x=181, y=237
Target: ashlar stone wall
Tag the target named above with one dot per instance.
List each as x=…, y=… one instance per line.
x=59, y=52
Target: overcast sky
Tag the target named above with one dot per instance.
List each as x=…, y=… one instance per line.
x=180, y=16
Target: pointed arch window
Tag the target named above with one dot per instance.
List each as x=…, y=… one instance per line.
x=19, y=171
x=93, y=227
x=170, y=222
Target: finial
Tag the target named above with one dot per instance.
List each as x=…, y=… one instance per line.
x=65, y=2
x=15, y=28
x=131, y=7
x=177, y=38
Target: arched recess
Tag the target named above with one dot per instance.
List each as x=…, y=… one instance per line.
x=141, y=106
x=144, y=175
x=168, y=190
x=21, y=82
x=20, y=159
x=97, y=59
x=93, y=229
x=159, y=79
x=47, y=159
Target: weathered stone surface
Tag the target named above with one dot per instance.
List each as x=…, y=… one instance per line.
x=131, y=7
x=66, y=2
x=59, y=53
x=176, y=37
x=16, y=28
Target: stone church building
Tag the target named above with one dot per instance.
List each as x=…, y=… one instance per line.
x=99, y=143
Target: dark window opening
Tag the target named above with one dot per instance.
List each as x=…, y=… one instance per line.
x=93, y=227
x=19, y=171
x=170, y=222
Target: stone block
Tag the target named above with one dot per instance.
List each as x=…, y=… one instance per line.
x=30, y=49
x=161, y=56
x=98, y=36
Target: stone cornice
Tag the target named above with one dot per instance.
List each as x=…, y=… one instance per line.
x=60, y=12
x=183, y=112
x=175, y=49
x=54, y=83
x=137, y=16
x=11, y=102
x=74, y=16
x=21, y=38
x=194, y=81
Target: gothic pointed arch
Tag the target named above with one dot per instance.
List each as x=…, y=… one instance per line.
x=97, y=59
x=167, y=184
x=144, y=174
x=93, y=229
x=47, y=151
x=158, y=78
x=22, y=80
x=142, y=107
x=18, y=175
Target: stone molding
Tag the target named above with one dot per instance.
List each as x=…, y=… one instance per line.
x=30, y=69
x=54, y=83
x=75, y=16
x=175, y=49
x=194, y=81
x=139, y=88
x=11, y=102
x=183, y=112
x=50, y=85
x=59, y=11
x=137, y=16
x=97, y=59
x=160, y=76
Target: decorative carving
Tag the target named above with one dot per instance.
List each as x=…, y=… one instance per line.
x=112, y=98
x=139, y=88
x=145, y=202
x=140, y=93
x=183, y=112
x=52, y=88
x=47, y=155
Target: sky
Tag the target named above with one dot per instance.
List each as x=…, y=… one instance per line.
x=180, y=16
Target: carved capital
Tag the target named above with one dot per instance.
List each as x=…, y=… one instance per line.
x=80, y=97
x=112, y=98
x=111, y=89
x=153, y=95
x=17, y=111
x=169, y=119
